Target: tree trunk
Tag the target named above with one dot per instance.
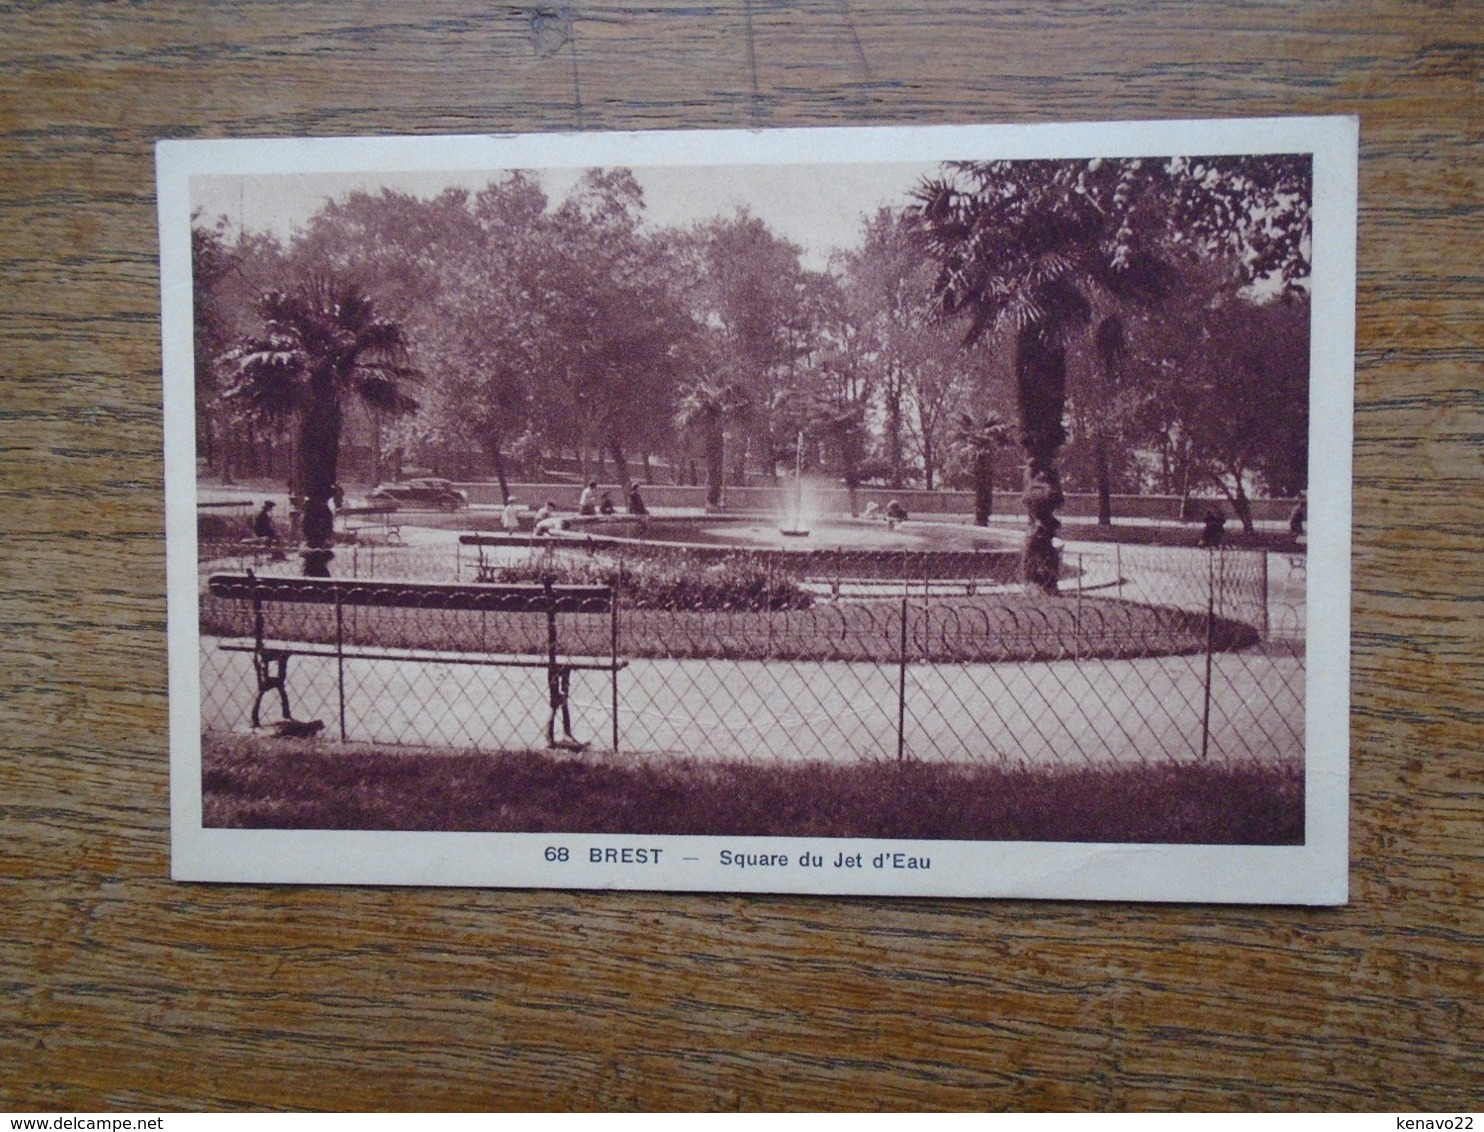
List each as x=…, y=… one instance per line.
x=1041, y=393
x=229, y=451
x=1243, y=507
x=318, y=460
x=206, y=438
x=739, y=462
x=1109, y=343
x=983, y=487
x=375, y=445
x=1105, y=485
x=715, y=454
x=894, y=457
x=1185, y=493
x=497, y=458
x=620, y=463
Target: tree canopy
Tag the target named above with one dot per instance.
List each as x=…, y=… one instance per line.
x=1121, y=309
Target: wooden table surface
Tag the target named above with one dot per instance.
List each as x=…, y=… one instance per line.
x=121, y=990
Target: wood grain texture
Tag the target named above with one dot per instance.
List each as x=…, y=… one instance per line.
x=119, y=989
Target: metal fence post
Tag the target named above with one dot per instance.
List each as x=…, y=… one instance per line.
x=1266, y=627
x=340, y=656
x=768, y=601
x=613, y=667
x=1077, y=623
x=902, y=688
x=1210, y=614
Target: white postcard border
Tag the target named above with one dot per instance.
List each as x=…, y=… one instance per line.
x=1314, y=873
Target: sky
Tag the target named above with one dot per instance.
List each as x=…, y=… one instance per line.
x=818, y=207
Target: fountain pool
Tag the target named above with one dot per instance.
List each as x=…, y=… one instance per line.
x=752, y=532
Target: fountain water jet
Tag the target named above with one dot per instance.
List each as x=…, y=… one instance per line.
x=797, y=529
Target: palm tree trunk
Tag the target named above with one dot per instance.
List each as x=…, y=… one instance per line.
x=1109, y=342
x=319, y=458
x=715, y=454
x=983, y=487
x=1041, y=393
x=1105, y=484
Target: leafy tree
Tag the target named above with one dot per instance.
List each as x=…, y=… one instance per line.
x=395, y=243
x=229, y=273
x=1044, y=251
x=886, y=292
x=618, y=335
x=319, y=345
x=487, y=340
x=751, y=289
x=212, y=263
x=1249, y=408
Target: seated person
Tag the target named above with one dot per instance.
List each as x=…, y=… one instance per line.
x=587, y=504
x=1212, y=528
x=263, y=526
x=636, y=502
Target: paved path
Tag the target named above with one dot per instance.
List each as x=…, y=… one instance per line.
x=1067, y=712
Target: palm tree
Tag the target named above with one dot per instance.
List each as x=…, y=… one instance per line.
x=976, y=442
x=1039, y=251
x=320, y=344
x=708, y=407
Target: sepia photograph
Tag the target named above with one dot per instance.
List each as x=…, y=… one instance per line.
x=949, y=511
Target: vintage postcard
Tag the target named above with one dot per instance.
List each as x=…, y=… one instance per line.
x=953, y=511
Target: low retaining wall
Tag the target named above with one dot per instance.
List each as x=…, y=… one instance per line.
x=836, y=500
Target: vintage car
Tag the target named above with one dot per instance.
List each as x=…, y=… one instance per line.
x=426, y=492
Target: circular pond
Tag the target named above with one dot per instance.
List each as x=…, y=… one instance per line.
x=750, y=532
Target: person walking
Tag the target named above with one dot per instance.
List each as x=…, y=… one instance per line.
x=510, y=517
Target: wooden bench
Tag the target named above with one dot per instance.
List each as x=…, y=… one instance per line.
x=271, y=655
x=488, y=569
x=378, y=519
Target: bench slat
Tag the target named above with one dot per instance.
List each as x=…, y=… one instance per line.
x=454, y=596
x=429, y=656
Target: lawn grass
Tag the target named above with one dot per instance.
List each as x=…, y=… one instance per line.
x=987, y=628
x=1181, y=536
x=259, y=783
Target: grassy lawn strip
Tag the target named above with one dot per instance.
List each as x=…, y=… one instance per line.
x=249, y=782
x=987, y=628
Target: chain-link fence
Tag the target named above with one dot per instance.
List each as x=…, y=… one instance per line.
x=1148, y=654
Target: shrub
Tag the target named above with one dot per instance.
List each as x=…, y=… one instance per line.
x=213, y=527
x=739, y=584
